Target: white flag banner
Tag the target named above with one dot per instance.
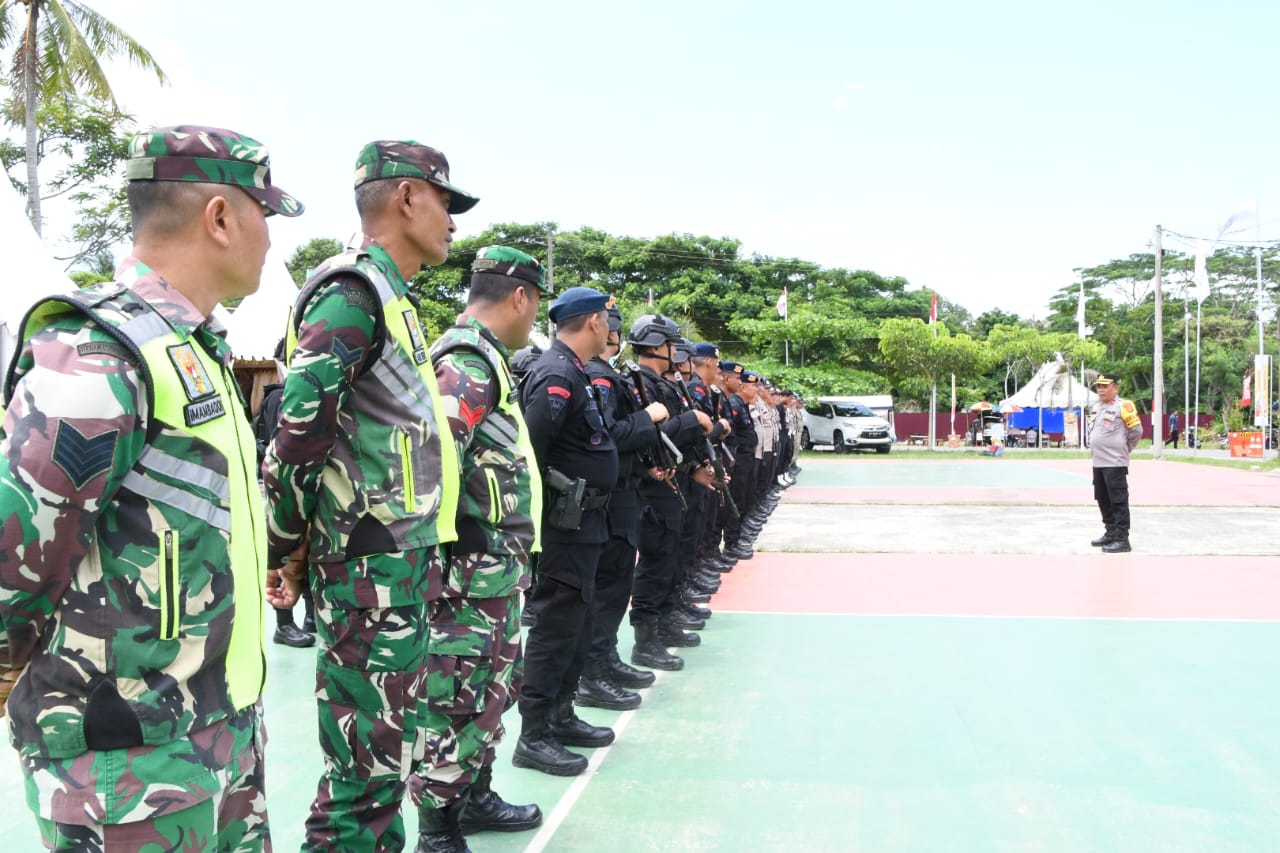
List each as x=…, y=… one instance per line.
x=1200, y=283
x=1242, y=220
x=782, y=303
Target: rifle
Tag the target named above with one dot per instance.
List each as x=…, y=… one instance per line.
x=717, y=465
x=669, y=455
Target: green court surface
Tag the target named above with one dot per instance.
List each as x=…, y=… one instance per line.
x=979, y=472
x=798, y=732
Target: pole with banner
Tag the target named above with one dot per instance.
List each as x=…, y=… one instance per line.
x=782, y=309
x=933, y=389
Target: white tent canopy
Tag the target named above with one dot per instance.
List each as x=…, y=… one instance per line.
x=1052, y=387
x=32, y=271
x=258, y=324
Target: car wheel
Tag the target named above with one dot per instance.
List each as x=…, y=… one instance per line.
x=884, y=449
x=805, y=442
x=837, y=441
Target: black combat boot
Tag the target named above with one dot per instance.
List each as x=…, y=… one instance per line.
x=673, y=635
x=595, y=690
x=568, y=728
x=440, y=830
x=682, y=619
x=650, y=651
x=687, y=604
x=538, y=749
x=1104, y=538
x=1118, y=545
x=487, y=810
x=625, y=675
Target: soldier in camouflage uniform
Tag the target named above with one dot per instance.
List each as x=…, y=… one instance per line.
x=474, y=660
x=132, y=550
x=363, y=475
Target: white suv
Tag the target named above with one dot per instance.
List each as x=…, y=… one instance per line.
x=844, y=425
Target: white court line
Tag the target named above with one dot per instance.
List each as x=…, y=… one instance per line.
x=567, y=800
x=1005, y=616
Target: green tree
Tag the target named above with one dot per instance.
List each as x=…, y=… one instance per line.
x=90, y=140
x=310, y=255
x=58, y=45
x=920, y=356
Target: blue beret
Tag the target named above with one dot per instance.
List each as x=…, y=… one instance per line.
x=750, y=378
x=730, y=367
x=575, y=301
x=706, y=350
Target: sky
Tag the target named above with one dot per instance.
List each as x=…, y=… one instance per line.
x=983, y=150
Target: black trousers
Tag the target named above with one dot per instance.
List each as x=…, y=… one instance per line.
x=556, y=649
x=660, y=526
x=614, y=577
x=742, y=487
x=1111, y=491
x=764, y=476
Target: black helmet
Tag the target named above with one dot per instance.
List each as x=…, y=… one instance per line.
x=653, y=330
x=522, y=359
x=683, y=351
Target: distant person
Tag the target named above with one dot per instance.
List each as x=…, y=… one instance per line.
x=1114, y=431
x=1033, y=437
x=265, y=426
x=1173, y=429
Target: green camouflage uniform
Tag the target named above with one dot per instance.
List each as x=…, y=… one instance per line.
x=141, y=634
x=132, y=551
x=475, y=654
x=359, y=461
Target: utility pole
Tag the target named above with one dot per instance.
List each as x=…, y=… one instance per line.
x=551, y=277
x=1157, y=379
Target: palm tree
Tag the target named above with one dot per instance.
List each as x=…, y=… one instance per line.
x=58, y=47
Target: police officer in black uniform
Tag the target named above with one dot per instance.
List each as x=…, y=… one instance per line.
x=579, y=465
x=743, y=443
x=653, y=338
x=692, y=580
x=633, y=427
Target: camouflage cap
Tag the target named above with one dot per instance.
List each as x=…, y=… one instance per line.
x=388, y=159
x=505, y=261
x=208, y=155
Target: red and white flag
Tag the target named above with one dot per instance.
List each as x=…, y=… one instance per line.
x=651, y=297
x=782, y=303
x=933, y=309
x=1246, y=390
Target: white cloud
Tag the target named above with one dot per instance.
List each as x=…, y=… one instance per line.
x=935, y=148
x=839, y=103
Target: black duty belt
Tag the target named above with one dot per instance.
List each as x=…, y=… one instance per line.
x=595, y=499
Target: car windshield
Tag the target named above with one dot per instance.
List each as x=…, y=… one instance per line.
x=853, y=410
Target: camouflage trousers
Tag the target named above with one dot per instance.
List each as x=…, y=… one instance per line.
x=370, y=686
x=233, y=820
x=473, y=675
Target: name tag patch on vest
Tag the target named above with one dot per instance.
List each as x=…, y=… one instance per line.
x=205, y=403
x=203, y=411
x=415, y=336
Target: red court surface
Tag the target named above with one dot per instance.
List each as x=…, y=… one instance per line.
x=1134, y=586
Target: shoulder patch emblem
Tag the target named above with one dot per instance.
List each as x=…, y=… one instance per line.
x=347, y=356
x=82, y=458
x=557, y=399
x=194, y=378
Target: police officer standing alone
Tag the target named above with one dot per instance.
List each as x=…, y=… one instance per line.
x=1114, y=431
x=579, y=467
x=132, y=554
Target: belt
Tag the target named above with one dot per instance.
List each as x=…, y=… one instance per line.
x=595, y=499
